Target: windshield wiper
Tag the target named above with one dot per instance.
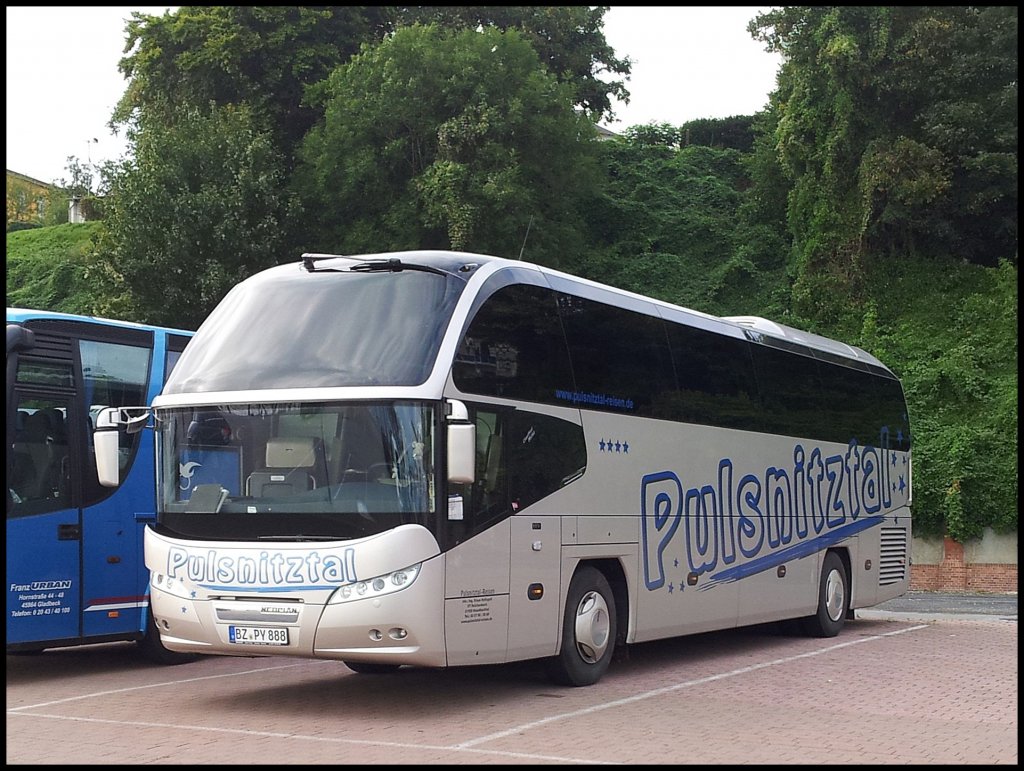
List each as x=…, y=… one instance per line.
x=390, y=265
x=395, y=265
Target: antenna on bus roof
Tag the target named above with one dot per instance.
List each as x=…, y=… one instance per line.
x=529, y=224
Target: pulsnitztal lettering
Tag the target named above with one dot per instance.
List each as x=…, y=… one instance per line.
x=268, y=568
x=790, y=512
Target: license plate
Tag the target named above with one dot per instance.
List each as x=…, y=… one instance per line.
x=258, y=635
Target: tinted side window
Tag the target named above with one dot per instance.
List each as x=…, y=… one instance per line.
x=620, y=358
x=175, y=345
x=39, y=461
x=716, y=379
x=56, y=374
x=861, y=405
x=544, y=455
x=521, y=457
x=892, y=414
x=514, y=347
x=792, y=400
x=852, y=410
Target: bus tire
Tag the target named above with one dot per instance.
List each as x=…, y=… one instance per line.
x=365, y=668
x=153, y=650
x=588, y=630
x=833, y=599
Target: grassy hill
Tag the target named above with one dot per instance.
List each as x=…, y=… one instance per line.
x=46, y=267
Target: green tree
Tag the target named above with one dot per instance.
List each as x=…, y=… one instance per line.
x=195, y=209
x=653, y=135
x=734, y=132
x=945, y=181
x=897, y=126
x=261, y=56
x=440, y=139
x=895, y=130
x=569, y=40
x=666, y=223
x=267, y=58
x=949, y=329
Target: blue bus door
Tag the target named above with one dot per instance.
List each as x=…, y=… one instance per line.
x=44, y=525
x=114, y=577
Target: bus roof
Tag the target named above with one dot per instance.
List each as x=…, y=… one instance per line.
x=20, y=315
x=798, y=336
x=454, y=262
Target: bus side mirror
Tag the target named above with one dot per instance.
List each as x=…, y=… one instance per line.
x=461, y=445
x=110, y=421
x=19, y=338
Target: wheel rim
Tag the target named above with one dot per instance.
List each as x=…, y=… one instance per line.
x=592, y=626
x=835, y=595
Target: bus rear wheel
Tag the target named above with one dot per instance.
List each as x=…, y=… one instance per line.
x=588, y=630
x=833, y=599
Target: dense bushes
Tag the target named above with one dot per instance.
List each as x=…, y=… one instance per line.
x=48, y=268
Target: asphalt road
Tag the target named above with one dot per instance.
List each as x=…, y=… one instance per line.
x=929, y=679
x=1003, y=605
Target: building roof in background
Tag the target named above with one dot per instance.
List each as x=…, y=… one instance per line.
x=28, y=179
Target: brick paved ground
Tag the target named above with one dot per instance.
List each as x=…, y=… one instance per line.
x=891, y=689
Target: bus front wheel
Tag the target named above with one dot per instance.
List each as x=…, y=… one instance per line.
x=833, y=599
x=588, y=631
x=365, y=668
x=152, y=647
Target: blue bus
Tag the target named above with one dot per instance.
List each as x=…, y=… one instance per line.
x=75, y=569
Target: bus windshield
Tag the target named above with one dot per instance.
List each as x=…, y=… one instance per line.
x=299, y=471
x=322, y=329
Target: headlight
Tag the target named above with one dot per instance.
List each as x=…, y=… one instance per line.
x=377, y=586
x=172, y=586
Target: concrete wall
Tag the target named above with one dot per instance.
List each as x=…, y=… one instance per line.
x=987, y=564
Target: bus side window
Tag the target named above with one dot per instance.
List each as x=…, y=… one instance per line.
x=113, y=375
x=544, y=454
x=490, y=466
x=485, y=501
x=25, y=462
x=521, y=457
x=40, y=467
x=488, y=499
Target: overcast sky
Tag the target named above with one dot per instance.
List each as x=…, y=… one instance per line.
x=63, y=81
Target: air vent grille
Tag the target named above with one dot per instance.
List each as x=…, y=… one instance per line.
x=892, y=567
